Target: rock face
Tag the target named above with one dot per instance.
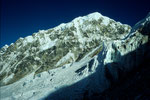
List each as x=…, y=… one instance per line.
x=78, y=60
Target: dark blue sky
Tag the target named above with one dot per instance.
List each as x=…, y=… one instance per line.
x=20, y=18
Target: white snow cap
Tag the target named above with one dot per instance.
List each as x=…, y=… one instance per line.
x=6, y=46
x=29, y=38
x=94, y=15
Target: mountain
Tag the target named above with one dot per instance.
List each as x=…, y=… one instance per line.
x=58, y=46
x=77, y=60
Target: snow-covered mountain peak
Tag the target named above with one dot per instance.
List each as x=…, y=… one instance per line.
x=47, y=49
x=93, y=48
x=92, y=16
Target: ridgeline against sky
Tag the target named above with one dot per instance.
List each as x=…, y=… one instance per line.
x=20, y=18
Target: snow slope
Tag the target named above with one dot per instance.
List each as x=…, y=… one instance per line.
x=39, y=86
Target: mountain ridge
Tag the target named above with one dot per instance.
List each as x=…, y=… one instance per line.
x=79, y=34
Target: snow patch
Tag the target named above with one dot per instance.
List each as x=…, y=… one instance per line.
x=37, y=58
x=12, y=44
x=47, y=45
x=29, y=39
x=113, y=25
x=95, y=16
x=43, y=31
x=6, y=46
x=46, y=42
x=65, y=58
x=80, y=38
x=105, y=21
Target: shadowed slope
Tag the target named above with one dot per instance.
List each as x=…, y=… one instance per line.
x=126, y=78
